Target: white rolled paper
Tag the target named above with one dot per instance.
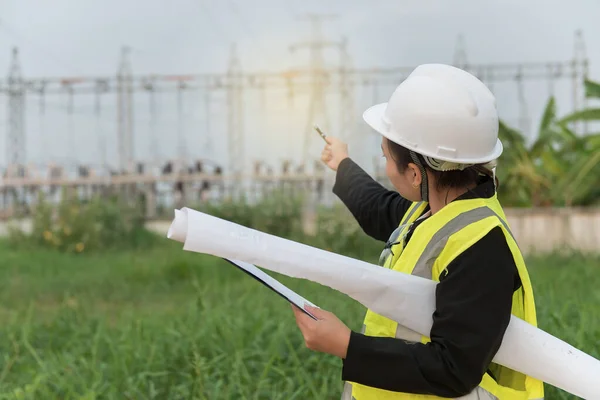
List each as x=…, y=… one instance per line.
x=406, y=299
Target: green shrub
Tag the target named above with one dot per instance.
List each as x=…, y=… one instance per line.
x=282, y=215
x=75, y=226
x=276, y=213
x=338, y=231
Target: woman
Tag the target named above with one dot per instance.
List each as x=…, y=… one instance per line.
x=439, y=139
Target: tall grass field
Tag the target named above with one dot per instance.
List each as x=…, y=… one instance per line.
x=160, y=323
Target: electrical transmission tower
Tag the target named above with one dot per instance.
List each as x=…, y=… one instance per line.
x=579, y=60
x=235, y=123
x=317, y=108
x=487, y=75
x=15, y=146
x=125, y=110
x=460, y=53
x=152, y=128
x=318, y=80
x=347, y=106
x=101, y=87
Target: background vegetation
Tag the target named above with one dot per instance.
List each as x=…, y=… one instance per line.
x=93, y=306
x=142, y=319
x=559, y=168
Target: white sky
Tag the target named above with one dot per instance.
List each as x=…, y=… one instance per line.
x=83, y=37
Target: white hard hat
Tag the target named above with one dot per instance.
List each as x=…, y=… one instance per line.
x=442, y=113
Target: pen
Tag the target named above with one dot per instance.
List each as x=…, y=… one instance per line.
x=320, y=132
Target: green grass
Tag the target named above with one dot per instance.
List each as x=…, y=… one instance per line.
x=166, y=324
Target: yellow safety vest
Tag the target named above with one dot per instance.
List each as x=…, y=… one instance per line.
x=434, y=244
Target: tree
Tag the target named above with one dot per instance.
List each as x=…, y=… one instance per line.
x=560, y=168
x=582, y=186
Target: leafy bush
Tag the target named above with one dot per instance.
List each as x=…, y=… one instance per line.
x=75, y=226
x=338, y=231
x=276, y=213
x=280, y=215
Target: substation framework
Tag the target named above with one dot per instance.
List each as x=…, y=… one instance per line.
x=317, y=80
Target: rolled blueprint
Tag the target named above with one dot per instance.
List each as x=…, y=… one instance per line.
x=406, y=299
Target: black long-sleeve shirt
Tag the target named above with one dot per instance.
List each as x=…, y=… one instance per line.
x=473, y=303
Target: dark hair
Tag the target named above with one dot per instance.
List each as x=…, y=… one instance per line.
x=444, y=179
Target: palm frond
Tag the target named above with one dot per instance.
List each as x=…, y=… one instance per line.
x=592, y=89
x=549, y=115
x=591, y=114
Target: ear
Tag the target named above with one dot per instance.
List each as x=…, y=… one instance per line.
x=414, y=174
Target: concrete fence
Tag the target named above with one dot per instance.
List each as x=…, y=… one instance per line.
x=546, y=230
x=537, y=231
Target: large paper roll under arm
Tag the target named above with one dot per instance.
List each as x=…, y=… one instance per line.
x=406, y=299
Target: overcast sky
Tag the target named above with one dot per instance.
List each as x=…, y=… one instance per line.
x=83, y=37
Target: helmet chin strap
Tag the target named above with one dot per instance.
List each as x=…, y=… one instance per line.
x=424, y=183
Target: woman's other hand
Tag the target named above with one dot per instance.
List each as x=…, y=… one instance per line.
x=327, y=335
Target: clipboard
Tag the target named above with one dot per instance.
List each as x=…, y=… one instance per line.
x=274, y=285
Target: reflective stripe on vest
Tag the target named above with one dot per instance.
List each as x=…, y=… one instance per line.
x=412, y=214
x=412, y=211
x=424, y=266
x=347, y=393
x=468, y=221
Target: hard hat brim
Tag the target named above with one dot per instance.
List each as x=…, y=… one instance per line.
x=374, y=117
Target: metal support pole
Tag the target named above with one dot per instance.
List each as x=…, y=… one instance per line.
x=15, y=146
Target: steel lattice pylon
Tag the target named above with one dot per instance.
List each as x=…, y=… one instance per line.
x=15, y=146
x=235, y=121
